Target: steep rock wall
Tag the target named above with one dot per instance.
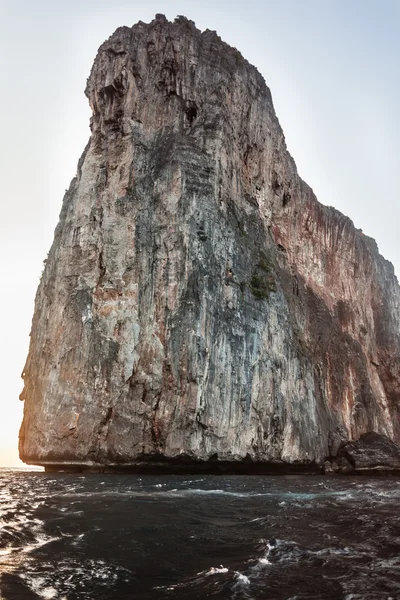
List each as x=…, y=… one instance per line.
x=197, y=300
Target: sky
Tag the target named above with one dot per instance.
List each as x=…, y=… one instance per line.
x=332, y=67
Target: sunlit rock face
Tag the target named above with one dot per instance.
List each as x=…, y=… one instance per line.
x=197, y=300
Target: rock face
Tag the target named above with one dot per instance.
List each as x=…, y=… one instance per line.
x=371, y=453
x=198, y=302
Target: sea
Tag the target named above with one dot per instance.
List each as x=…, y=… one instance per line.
x=155, y=537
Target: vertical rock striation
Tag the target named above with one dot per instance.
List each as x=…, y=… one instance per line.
x=197, y=300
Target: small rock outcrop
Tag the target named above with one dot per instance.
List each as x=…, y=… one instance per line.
x=371, y=453
x=198, y=303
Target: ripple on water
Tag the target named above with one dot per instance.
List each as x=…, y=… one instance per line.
x=181, y=537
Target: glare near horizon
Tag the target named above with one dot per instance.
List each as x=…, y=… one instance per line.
x=331, y=65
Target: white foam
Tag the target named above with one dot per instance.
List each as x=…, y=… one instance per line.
x=78, y=539
x=214, y=492
x=242, y=579
x=216, y=570
x=270, y=547
x=49, y=593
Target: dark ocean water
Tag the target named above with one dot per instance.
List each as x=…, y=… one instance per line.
x=70, y=537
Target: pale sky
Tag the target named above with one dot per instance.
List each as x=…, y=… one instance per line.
x=333, y=70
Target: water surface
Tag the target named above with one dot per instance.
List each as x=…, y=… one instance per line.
x=103, y=537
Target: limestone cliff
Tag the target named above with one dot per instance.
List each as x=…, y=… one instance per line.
x=197, y=300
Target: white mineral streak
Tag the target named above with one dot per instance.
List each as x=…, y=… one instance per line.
x=197, y=298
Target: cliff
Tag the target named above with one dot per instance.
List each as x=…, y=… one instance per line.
x=198, y=303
